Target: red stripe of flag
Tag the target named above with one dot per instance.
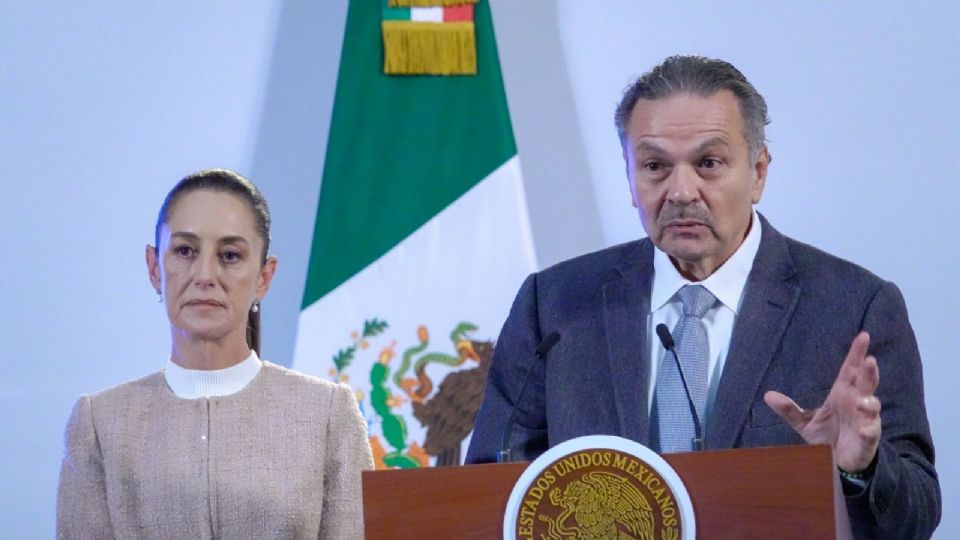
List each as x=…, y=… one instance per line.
x=463, y=12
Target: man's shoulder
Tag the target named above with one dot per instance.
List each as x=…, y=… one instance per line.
x=815, y=268
x=811, y=258
x=601, y=264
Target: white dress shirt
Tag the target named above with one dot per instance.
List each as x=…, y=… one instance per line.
x=201, y=383
x=726, y=284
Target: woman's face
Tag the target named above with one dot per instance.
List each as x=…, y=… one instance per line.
x=208, y=265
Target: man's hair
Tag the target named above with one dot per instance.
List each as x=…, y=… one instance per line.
x=700, y=76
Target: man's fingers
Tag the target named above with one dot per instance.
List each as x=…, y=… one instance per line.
x=859, y=369
x=855, y=356
x=788, y=409
x=869, y=406
x=868, y=376
x=871, y=431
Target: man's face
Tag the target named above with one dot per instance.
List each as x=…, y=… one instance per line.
x=691, y=177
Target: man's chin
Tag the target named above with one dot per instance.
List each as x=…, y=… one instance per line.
x=687, y=245
x=686, y=250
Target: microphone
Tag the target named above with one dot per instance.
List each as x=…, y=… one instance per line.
x=666, y=339
x=503, y=455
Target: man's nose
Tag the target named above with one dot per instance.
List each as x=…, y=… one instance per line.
x=683, y=185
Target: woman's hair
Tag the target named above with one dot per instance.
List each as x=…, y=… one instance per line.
x=231, y=182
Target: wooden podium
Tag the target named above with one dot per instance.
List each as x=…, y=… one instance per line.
x=783, y=492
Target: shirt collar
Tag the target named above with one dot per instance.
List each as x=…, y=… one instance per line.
x=726, y=283
x=200, y=383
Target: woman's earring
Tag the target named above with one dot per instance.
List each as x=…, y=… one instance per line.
x=256, y=306
x=159, y=297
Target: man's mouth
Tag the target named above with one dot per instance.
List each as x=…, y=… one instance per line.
x=684, y=224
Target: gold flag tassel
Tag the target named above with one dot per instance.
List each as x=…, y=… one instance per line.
x=425, y=48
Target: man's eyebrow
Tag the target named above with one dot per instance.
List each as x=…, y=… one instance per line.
x=713, y=141
x=647, y=146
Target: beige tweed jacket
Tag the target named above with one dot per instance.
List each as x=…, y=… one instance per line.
x=279, y=459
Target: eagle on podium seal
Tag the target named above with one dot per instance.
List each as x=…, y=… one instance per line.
x=599, y=487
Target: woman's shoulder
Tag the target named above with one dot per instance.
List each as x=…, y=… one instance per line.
x=112, y=405
x=131, y=389
x=301, y=383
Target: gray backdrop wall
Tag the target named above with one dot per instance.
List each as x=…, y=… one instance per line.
x=104, y=105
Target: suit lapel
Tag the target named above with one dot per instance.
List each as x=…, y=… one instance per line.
x=626, y=304
x=769, y=301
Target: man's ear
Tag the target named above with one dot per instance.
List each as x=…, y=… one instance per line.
x=626, y=171
x=760, y=171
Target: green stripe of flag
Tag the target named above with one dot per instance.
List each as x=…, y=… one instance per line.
x=396, y=14
x=400, y=148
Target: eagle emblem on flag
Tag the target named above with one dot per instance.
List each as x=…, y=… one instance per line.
x=403, y=388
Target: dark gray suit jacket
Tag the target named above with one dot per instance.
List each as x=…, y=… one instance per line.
x=801, y=310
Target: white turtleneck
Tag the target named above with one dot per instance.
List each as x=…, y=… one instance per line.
x=200, y=383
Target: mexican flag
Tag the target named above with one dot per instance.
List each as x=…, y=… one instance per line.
x=422, y=236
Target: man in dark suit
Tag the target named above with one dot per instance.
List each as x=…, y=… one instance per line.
x=780, y=319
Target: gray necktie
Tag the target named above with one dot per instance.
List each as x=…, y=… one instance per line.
x=672, y=428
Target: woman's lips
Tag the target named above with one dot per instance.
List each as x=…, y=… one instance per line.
x=203, y=303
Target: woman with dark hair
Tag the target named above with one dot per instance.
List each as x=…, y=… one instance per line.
x=218, y=444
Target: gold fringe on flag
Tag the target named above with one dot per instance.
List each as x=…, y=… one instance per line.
x=428, y=3
x=425, y=48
